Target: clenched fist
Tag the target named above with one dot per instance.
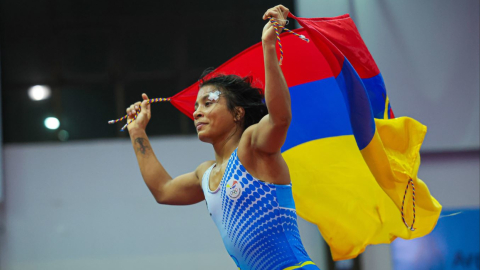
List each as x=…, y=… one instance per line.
x=143, y=116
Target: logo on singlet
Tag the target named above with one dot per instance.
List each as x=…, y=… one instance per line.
x=234, y=189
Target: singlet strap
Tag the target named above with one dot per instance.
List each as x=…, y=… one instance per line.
x=206, y=177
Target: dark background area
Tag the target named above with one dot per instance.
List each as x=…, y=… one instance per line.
x=99, y=56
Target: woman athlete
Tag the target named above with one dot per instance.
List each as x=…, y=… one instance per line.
x=256, y=218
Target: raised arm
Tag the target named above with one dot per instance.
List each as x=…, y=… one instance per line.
x=182, y=190
x=270, y=133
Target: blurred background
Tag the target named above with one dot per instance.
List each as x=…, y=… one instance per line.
x=71, y=194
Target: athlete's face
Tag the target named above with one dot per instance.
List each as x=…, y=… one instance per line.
x=211, y=117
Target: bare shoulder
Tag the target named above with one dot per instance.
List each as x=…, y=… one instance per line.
x=200, y=170
x=246, y=139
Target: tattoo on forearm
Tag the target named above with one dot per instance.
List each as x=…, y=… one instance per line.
x=142, y=145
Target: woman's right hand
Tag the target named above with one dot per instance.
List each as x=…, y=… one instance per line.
x=279, y=13
x=142, y=118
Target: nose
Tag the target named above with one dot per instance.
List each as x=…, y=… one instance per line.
x=197, y=113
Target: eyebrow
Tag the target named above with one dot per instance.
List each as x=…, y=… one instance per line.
x=203, y=98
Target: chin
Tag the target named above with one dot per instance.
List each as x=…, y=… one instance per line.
x=203, y=137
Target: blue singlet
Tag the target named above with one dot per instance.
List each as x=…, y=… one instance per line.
x=257, y=220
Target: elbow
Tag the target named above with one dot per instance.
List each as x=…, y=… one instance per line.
x=158, y=189
x=159, y=197
x=283, y=121
x=287, y=120
x=159, y=200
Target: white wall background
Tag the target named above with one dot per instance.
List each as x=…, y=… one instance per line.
x=428, y=54
x=85, y=206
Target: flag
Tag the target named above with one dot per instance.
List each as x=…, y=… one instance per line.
x=351, y=160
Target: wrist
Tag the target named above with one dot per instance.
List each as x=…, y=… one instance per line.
x=137, y=132
x=268, y=44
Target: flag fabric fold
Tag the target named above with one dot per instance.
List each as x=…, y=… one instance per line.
x=350, y=159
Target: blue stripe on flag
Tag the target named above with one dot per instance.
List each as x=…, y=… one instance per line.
x=318, y=111
x=358, y=104
x=377, y=94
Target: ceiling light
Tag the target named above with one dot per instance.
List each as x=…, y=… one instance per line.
x=39, y=92
x=51, y=123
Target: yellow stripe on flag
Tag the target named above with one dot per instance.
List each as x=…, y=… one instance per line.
x=334, y=187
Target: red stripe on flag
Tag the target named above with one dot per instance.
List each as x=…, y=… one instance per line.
x=344, y=40
x=302, y=63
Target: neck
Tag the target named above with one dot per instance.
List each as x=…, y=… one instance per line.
x=225, y=147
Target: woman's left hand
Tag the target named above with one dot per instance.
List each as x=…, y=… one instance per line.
x=279, y=13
